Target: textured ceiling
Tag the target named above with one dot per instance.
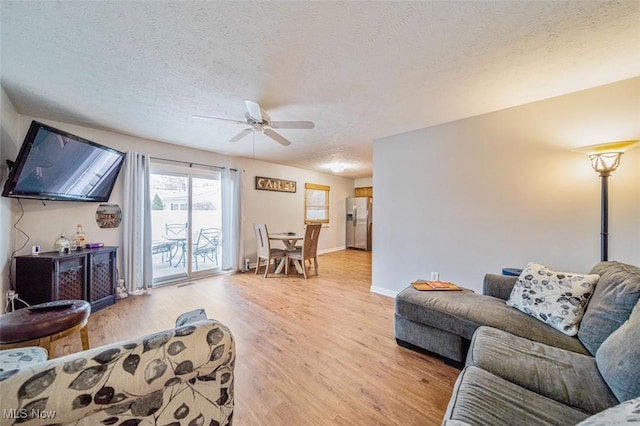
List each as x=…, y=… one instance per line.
x=359, y=70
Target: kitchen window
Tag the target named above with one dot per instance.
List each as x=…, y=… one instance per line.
x=316, y=203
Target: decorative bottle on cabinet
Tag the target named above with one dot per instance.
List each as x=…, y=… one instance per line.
x=62, y=243
x=80, y=238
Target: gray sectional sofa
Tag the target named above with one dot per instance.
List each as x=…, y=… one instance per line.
x=519, y=370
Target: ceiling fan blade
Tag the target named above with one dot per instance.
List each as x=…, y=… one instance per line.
x=254, y=110
x=277, y=137
x=292, y=124
x=241, y=135
x=206, y=117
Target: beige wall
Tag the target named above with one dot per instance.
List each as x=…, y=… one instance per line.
x=44, y=222
x=9, y=146
x=502, y=189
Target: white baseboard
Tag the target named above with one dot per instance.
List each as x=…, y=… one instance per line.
x=384, y=291
x=325, y=251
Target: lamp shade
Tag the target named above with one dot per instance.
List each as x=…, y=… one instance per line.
x=605, y=157
x=605, y=162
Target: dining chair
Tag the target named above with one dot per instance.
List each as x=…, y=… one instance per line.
x=264, y=247
x=207, y=245
x=309, y=248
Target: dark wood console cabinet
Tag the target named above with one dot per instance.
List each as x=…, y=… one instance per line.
x=88, y=274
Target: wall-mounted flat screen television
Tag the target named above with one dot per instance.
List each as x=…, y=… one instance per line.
x=56, y=165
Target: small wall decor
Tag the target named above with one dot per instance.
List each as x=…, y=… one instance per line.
x=272, y=184
x=108, y=215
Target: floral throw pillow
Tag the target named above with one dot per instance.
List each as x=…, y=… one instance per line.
x=555, y=298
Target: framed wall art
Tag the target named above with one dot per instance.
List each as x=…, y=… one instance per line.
x=272, y=184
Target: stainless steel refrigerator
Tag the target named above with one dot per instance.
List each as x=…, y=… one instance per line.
x=359, y=222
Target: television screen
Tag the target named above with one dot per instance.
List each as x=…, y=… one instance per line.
x=55, y=165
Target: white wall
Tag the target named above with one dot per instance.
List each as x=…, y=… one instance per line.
x=502, y=189
x=363, y=182
x=9, y=147
x=44, y=222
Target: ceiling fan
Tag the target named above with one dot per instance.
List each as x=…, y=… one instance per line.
x=259, y=121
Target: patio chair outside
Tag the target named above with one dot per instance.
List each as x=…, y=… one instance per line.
x=207, y=245
x=176, y=229
x=176, y=233
x=164, y=248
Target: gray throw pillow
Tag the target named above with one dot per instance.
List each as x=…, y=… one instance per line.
x=618, y=358
x=614, y=297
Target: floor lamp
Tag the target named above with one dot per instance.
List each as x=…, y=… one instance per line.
x=605, y=158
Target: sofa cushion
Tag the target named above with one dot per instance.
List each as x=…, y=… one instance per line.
x=626, y=413
x=614, y=297
x=619, y=358
x=449, y=345
x=555, y=298
x=462, y=312
x=567, y=377
x=499, y=286
x=480, y=397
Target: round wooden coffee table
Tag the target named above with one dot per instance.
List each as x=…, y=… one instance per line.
x=26, y=327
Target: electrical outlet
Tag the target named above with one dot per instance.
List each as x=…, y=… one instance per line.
x=435, y=276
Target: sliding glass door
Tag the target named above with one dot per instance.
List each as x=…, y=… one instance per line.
x=206, y=220
x=186, y=221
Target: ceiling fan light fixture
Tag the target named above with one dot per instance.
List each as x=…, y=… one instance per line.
x=259, y=121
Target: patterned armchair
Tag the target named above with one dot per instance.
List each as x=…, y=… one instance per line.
x=178, y=376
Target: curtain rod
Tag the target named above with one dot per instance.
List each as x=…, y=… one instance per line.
x=191, y=163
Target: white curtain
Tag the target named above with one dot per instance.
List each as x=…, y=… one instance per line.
x=232, y=232
x=136, y=247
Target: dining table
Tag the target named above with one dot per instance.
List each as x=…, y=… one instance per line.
x=289, y=239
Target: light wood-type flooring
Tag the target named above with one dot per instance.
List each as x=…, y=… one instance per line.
x=309, y=352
